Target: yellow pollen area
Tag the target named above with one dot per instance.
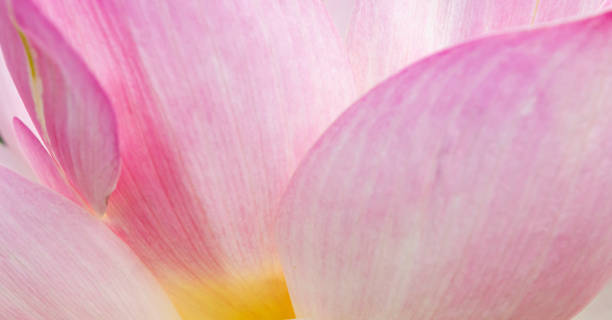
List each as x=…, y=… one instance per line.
x=28, y=51
x=264, y=298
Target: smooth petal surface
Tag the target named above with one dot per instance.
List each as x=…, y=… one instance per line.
x=476, y=184
x=387, y=35
x=10, y=106
x=45, y=168
x=58, y=262
x=341, y=12
x=9, y=159
x=69, y=109
x=217, y=101
x=600, y=308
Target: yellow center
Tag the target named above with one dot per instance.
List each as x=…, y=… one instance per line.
x=265, y=298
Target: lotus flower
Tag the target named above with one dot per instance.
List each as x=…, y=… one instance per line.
x=202, y=159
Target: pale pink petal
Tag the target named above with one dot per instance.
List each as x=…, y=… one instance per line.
x=388, y=35
x=341, y=13
x=217, y=102
x=40, y=161
x=476, y=184
x=67, y=105
x=10, y=106
x=9, y=159
x=58, y=262
x=600, y=308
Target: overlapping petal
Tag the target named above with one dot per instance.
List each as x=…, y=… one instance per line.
x=46, y=169
x=341, y=13
x=386, y=36
x=69, y=109
x=10, y=106
x=476, y=184
x=58, y=262
x=9, y=159
x=217, y=102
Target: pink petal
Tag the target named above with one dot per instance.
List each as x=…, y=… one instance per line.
x=216, y=102
x=476, y=184
x=67, y=105
x=41, y=162
x=10, y=159
x=600, y=308
x=57, y=262
x=10, y=106
x=387, y=35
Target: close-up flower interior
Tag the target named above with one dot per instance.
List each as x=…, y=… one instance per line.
x=306, y=159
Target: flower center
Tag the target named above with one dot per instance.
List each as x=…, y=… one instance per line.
x=265, y=298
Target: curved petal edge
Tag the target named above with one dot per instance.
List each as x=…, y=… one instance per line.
x=69, y=108
x=475, y=184
x=57, y=262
